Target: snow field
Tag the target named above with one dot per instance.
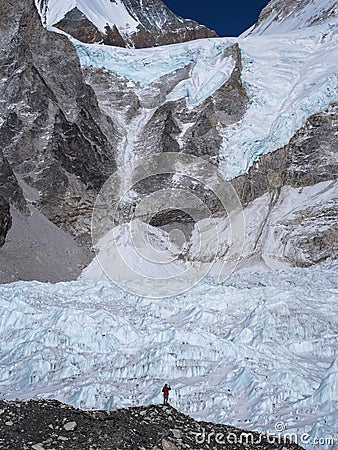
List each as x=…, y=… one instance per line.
x=310, y=12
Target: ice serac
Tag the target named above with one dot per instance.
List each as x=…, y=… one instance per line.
x=280, y=16
x=122, y=23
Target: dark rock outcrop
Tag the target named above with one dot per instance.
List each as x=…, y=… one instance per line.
x=50, y=424
x=171, y=33
x=9, y=186
x=10, y=191
x=5, y=220
x=224, y=107
x=77, y=25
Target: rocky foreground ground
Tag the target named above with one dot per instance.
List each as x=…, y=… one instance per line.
x=49, y=424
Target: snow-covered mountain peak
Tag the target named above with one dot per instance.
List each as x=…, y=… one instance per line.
x=99, y=12
x=120, y=22
x=282, y=16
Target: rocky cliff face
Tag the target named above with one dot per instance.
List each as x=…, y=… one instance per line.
x=311, y=157
x=65, y=128
x=126, y=23
x=10, y=191
x=150, y=123
x=9, y=186
x=52, y=131
x=308, y=232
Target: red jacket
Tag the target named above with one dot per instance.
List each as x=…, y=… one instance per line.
x=166, y=390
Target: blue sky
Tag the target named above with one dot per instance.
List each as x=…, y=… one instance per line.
x=228, y=18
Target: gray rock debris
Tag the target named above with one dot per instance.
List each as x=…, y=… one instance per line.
x=146, y=427
x=70, y=426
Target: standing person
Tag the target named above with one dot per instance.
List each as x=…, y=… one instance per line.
x=166, y=388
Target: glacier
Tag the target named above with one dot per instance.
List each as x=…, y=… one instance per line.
x=288, y=77
x=93, y=345
x=147, y=65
